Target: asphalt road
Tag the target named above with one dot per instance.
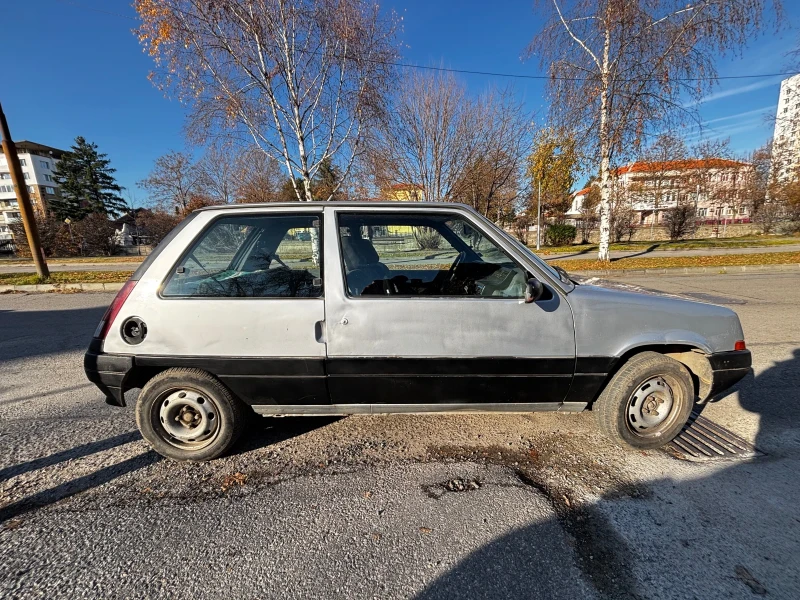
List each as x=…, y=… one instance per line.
x=367, y=506
x=56, y=265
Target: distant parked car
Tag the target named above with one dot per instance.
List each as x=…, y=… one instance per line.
x=216, y=324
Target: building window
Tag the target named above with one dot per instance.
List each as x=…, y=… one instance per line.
x=50, y=190
x=48, y=178
x=45, y=164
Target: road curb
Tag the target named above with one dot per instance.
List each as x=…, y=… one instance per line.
x=63, y=287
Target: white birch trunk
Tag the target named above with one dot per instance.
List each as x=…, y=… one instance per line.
x=605, y=156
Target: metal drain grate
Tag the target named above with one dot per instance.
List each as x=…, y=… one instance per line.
x=703, y=440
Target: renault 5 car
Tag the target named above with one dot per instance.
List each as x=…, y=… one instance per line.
x=345, y=308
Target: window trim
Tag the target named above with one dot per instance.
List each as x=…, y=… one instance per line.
x=446, y=213
x=165, y=280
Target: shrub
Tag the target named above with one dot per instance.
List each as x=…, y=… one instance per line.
x=679, y=221
x=97, y=234
x=559, y=235
x=54, y=236
x=427, y=238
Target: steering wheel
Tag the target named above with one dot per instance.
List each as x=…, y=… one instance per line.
x=451, y=273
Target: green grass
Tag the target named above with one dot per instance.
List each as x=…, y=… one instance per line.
x=742, y=242
x=65, y=277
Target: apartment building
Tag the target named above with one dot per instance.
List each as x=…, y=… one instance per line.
x=716, y=187
x=37, y=161
x=786, y=139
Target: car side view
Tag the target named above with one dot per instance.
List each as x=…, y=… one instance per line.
x=391, y=307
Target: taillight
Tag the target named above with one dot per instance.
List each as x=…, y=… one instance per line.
x=740, y=345
x=113, y=310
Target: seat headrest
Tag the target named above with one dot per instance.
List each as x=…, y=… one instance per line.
x=358, y=252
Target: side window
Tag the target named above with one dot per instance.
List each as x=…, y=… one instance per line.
x=414, y=254
x=271, y=256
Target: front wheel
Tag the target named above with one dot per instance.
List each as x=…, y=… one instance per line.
x=186, y=414
x=647, y=402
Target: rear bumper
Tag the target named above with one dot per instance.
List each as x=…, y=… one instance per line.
x=728, y=368
x=107, y=372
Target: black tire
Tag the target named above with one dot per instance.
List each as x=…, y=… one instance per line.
x=628, y=409
x=205, y=418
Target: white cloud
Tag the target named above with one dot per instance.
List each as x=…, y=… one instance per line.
x=758, y=111
x=744, y=89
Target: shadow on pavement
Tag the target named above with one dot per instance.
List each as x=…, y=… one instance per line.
x=740, y=519
x=77, y=452
x=645, y=251
x=266, y=431
x=76, y=486
x=24, y=334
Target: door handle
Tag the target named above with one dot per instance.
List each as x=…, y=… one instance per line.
x=319, y=331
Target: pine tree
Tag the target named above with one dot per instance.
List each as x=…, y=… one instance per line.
x=326, y=181
x=86, y=183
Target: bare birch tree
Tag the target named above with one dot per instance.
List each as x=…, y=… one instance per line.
x=619, y=69
x=299, y=79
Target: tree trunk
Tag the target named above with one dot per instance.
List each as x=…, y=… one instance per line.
x=605, y=156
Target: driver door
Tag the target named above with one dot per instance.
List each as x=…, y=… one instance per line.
x=428, y=313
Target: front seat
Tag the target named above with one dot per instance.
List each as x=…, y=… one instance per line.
x=361, y=263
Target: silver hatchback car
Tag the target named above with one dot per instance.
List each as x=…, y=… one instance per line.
x=391, y=307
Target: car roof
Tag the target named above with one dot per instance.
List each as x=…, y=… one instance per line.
x=343, y=203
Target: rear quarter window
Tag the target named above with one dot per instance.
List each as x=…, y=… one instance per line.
x=263, y=256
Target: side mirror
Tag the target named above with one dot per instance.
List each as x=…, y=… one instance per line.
x=533, y=290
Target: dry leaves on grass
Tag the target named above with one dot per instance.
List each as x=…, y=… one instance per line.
x=724, y=260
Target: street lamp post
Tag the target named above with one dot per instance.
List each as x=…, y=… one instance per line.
x=539, y=218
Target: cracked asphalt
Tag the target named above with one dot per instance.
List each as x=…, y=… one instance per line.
x=404, y=506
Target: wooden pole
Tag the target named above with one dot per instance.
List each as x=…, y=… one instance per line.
x=23, y=198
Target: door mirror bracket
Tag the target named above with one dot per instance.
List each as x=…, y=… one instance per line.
x=533, y=290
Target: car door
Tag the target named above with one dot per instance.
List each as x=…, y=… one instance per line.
x=427, y=312
x=239, y=295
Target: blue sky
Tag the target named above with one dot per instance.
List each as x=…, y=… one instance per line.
x=82, y=72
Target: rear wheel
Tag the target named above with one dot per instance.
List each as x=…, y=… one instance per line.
x=186, y=414
x=647, y=402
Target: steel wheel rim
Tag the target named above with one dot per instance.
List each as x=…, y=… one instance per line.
x=651, y=408
x=187, y=418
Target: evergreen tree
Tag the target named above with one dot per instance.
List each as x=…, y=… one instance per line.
x=86, y=183
x=325, y=181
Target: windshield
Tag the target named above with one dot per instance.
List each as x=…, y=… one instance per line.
x=555, y=272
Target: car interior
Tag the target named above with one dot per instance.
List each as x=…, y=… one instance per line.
x=457, y=270
x=238, y=257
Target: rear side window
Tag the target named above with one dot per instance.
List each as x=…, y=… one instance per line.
x=270, y=256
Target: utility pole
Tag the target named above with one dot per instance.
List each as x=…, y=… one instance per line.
x=23, y=199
